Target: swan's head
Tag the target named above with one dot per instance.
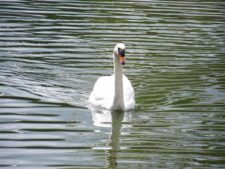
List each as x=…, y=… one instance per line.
x=119, y=51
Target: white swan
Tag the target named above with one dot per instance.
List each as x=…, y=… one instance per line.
x=114, y=92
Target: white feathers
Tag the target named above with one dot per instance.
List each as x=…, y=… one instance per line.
x=114, y=92
x=102, y=95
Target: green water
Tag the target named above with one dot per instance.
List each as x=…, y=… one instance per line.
x=51, y=54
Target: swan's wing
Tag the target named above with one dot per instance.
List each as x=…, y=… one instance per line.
x=102, y=93
x=129, y=100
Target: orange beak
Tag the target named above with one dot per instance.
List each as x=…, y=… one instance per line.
x=122, y=60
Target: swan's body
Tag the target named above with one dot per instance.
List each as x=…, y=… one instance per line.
x=114, y=92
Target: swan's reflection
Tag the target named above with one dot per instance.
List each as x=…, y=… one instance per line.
x=105, y=118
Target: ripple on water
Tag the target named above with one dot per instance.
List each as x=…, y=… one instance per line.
x=52, y=52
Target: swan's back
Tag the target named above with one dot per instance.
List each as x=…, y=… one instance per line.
x=128, y=90
x=103, y=93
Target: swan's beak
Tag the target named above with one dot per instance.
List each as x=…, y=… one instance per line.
x=122, y=60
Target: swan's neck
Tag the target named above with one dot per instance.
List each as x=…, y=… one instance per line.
x=118, y=100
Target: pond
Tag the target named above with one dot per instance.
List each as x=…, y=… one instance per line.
x=51, y=54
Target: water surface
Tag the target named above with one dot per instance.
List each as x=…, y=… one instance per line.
x=52, y=52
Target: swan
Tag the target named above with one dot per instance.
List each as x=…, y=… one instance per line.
x=114, y=92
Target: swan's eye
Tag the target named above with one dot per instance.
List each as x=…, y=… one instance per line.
x=119, y=49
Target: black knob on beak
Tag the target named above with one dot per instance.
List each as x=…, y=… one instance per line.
x=122, y=53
